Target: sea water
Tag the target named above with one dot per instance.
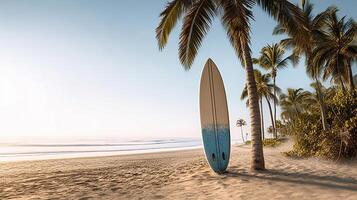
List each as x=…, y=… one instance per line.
x=46, y=150
x=40, y=151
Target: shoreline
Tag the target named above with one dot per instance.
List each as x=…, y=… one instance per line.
x=34, y=152
x=180, y=174
x=99, y=154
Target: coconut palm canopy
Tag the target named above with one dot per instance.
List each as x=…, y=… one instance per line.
x=294, y=102
x=265, y=87
x=310, y=37
x=336, y=49
x=236, y=17
x=241, y=122
x=272, y=58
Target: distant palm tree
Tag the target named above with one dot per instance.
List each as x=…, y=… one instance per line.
x=272, y=59
x=293, y=103
x=265, y=90
x=235, y=16
x=240, y=123
x=279, y=126
x=336, y=50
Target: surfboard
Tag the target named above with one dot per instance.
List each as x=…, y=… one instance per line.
x=214, y=118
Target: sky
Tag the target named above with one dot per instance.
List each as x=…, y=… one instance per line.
x=90, y=69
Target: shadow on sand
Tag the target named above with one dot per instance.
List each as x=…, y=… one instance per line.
x=328, y=181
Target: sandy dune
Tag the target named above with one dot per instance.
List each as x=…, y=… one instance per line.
x=178, y=175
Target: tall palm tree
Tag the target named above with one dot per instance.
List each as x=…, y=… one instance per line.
x=336, y=49
x=272, y=59
x=307, y=42
x=240, y=123
x=293, y=103
x=265, y=91
x=235, y=16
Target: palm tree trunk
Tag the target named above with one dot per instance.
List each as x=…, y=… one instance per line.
x=241, y=130
x=350, y=78
x=272, y=119
x=262, y=118
x=323, y=116
x=257, y=160
x=274, y=130
x=297, y=111
x=321, y=104
x=342, y=84
x=340, y=76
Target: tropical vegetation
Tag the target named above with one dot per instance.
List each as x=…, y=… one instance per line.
x=323, y=119
x=323, y=122
x=265, y=90
x=339, y=141
x=272, y=59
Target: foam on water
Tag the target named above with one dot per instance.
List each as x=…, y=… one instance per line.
x=39, y=151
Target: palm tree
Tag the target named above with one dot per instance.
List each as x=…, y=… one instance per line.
x=279, y=127
x=293, y=103
x=272, y=59
x=235, y=16
x=305, y=43
x=265, y=90
x=336, y=50
x=319, y=97
x=240, y=123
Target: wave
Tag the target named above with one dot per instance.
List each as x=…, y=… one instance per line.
x=129, y=143
x=31, y=151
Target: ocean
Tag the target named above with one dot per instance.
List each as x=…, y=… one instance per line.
x=41, y=151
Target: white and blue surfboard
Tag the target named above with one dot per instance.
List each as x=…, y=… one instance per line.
x=214, y=118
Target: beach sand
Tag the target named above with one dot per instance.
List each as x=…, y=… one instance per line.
x=178, y=175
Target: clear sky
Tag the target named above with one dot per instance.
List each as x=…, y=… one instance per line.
x=87, y=69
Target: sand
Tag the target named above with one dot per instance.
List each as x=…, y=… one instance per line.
x=178, y=175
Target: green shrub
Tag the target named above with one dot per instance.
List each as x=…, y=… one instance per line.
x=269, y=142
x=272, y=142
x=339, y=141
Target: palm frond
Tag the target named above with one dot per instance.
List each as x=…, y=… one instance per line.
x=279, y=29
x=287, y=14
x=244, y=93
x=351, y=51
x=293, y=59
x=169, y=17
x=287, y=43
x=195, y=26
x=307, y=9
x=334, y=51
x=303, y=2
x=236, y=20
x=320, y=20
